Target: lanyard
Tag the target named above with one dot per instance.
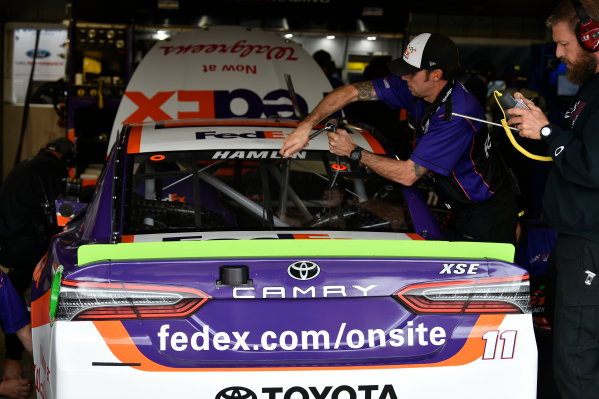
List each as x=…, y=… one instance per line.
x=444, y=98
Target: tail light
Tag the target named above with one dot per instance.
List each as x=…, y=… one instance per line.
x=122, y=301
x=488, y=295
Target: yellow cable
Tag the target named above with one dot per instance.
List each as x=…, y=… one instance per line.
x=510, y=136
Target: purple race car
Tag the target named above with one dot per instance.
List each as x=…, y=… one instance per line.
x=207, y=266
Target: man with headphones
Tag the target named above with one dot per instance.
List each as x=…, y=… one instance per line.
x=571, y=199
x=456, y=153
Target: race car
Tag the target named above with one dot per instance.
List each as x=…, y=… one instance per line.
x=207, y=265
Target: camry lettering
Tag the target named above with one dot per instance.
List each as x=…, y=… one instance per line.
x=459, y=268
x=208, y=104
x=298, y=292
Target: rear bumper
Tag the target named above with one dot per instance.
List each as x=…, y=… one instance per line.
x=79, y=362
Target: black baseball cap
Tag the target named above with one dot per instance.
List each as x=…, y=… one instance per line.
x=427, y=51
x=61, y=145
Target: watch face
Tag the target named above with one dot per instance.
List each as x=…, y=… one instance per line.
x=545, y=131
x=356, y=154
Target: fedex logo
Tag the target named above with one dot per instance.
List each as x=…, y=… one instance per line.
x=208, y=104
x=258, y=134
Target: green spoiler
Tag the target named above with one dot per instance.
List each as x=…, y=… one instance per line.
x=277, y=248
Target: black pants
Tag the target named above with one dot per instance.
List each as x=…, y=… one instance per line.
x=494, y=220
x=573, y=295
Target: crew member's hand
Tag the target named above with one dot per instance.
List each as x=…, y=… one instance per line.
x=296, y=141
x=529, y=121
x=340, y=143
x=12, y=369
x=18, y=388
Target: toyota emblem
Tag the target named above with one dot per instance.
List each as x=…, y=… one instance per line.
x=236, y=393
x=303, y=270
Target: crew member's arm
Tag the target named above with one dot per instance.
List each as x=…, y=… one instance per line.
x=404, y=172
x=333, y=102
x=574, y=155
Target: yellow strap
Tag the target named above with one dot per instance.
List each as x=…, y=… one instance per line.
x=511, y=136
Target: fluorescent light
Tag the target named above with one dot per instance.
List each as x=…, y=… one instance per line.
x=331, y=37
x=161, y=35
x=371, y=38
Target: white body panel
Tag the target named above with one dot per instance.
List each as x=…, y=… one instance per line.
x=73, y=346
x=224, y=58
x=253, y=235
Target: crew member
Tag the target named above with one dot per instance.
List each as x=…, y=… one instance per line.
x=570, y=200
x=456, y=152
x=27, y=223
x=14, y=319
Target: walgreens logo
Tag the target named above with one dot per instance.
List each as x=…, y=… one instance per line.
x=242, y=48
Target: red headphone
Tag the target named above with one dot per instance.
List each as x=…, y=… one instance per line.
x=587, y=29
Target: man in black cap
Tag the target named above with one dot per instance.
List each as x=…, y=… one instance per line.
x=455, y=152
x=27, y=222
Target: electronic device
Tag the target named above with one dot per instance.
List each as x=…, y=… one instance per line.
x=507, y=101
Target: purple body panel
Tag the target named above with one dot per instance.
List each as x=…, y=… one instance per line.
x=424, y=223
x=270, y=312
x=279, y=316
x=389, y=275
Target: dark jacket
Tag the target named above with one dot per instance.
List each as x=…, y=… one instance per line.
x=571, y=202
x=29, y=186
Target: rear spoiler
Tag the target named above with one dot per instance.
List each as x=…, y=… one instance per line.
x=276, y=248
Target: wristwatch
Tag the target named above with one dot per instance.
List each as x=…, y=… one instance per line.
x=546, y=131
x=356, y=154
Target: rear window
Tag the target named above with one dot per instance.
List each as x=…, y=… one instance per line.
x=257, y=190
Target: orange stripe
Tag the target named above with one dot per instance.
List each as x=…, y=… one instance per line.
x=415, y=236
x=134, y=140
x=89, y=182
x=62, y=220
x=127, y=238
x=377, y=148
x=460, y=184
x=40, y=310
x=122, y=346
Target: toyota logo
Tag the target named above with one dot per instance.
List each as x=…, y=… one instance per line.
x=303, y=270
x=236, y=393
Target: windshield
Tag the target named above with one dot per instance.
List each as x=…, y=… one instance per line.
x=257, y=190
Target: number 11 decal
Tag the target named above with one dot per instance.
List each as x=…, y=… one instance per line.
x=491, y=344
